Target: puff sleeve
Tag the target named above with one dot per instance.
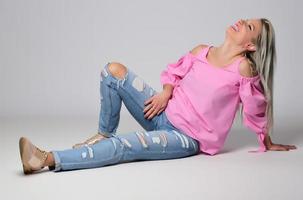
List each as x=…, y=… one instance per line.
x=254, y=107
x=174, y=72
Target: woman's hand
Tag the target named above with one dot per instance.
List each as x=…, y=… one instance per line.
x=277, y=147
x=156, y=104
x=280, y=147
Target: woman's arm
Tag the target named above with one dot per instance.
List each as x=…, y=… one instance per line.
x=157, y=103
x=248, y=88
x=168, y=90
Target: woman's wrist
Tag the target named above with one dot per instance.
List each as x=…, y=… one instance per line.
x=267, y=141
x=168, y=90
x=166, y=93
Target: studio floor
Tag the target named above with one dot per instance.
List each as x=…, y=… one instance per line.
x=233, y=174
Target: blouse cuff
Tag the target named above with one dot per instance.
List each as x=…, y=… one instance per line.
x=262, y=147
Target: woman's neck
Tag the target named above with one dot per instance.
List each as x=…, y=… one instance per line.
x=228, y=51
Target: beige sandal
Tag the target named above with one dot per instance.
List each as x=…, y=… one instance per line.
x=32, y=157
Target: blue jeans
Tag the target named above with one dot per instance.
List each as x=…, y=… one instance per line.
x=159, y=140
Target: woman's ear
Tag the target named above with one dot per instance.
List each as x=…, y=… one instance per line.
x=250, y=47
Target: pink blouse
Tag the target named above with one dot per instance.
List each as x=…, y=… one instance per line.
x=206, y=98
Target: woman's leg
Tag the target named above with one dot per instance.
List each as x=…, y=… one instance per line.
x=139, y=145
x=132, y=90
x=119, y=84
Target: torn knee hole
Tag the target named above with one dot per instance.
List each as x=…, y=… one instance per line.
x=117, y=70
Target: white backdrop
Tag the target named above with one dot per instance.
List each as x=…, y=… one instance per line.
x=51, y=55
x=51, y=52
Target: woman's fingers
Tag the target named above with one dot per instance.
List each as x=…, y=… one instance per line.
x=148, y=112
x=281, y=147
x=151, y=113
x=278, y=148
x=148, y=100
x=156, y=105
x=147, y=107
x=291, y=146
x=288, y=146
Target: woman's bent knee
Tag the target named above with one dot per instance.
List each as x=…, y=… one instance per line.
x=117, y=70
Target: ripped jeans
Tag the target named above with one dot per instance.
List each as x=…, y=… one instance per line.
x=159, y=140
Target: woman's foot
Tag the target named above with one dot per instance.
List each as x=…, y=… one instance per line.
x=33, y=158
x=90, y=141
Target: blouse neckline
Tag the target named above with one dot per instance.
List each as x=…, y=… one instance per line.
x=224, y=67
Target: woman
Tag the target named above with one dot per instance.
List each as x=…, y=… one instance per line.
x=201, y=94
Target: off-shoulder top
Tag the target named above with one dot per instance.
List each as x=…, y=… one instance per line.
x=206, y=98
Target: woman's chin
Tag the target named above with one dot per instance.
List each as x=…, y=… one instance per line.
x=228, y=35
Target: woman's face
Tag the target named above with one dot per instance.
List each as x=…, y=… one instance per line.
x=245, y=32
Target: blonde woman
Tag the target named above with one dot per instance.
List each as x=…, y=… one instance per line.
x=193, y=114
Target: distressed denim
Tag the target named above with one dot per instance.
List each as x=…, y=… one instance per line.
x=159, y=139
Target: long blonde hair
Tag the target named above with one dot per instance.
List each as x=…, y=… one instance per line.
x=263, y=60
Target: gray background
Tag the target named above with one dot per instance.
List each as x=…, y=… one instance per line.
x=52, y=51
x=51, y=55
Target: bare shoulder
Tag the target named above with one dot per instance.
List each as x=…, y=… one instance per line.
x=195, y=51
x=245, y=69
